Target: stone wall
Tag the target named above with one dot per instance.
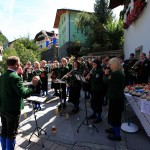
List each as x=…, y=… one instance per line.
x=50, y=54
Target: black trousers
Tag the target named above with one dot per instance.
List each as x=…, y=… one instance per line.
x=97, y=100
x=10, y=123
x=74, y=95
x=115, y=109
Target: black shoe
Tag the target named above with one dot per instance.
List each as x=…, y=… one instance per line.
x=109, y=131
x=97, y=120
x=56, y=94
x=114, y=138
x=62, y=106
x=75, y=110
x=105, y=103
x=88, y=97
x=92, y=117
x=39, y=108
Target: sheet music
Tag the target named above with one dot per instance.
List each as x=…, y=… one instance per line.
x=58, y=81
x=27, y=83
x=37, y=99
x=145, y=107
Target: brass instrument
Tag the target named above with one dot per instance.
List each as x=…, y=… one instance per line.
x=135, y=66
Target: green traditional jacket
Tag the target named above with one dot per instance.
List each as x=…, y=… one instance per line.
x=115, y=82
x=12, y=92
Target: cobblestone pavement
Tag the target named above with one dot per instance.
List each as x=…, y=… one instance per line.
x=67, y=137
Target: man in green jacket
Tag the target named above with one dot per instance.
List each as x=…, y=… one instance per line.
x=12, y=93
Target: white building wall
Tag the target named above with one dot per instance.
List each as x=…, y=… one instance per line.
x=43, y=43
x=138, y=34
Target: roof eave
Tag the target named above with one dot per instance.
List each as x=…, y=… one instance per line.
x=115, y=3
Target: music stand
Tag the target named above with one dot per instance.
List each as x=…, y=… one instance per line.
x=128, y=126
x=60, y=82
x=34, y=99
x=85, y=121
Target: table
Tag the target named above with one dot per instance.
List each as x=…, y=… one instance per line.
x=135, y=103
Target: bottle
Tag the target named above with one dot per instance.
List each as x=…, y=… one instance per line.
x=25, y=116
x=90, y=128
x=56, y=111
x=54, y=130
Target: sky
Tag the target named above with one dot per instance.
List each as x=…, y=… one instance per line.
x=22, y=18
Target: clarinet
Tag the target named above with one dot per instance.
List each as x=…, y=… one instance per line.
x=67, y=73
x=90, y=73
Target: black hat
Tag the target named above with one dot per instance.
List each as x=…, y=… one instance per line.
x=96, y=61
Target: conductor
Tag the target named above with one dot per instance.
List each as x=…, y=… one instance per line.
x=11, y=102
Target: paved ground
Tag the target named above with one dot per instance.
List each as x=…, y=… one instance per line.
x=66, y=137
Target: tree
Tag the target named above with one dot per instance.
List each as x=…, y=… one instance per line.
x=96, y=27
x=114, y=34
x=3, y=39
x=101, y=11
x=25, y=49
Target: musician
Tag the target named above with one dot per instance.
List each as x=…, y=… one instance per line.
x=132, y=74
x=54, y=70
x=27, y=72
x=87, y=85
x=20, y=71
x=44, y=77
x=115, y=81
x=143, y=67
x=97, y=96
x=37, y=73
x=63, y=70
x=37, y=91
x=75, y=86
x=125, y=68
x=105, y=66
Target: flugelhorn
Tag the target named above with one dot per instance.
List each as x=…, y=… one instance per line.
x=135, y=66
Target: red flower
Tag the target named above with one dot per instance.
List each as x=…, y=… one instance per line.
x=135, y=13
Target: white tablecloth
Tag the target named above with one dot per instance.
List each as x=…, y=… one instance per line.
x=144, y=118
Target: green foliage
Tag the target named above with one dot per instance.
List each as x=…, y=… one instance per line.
x=101, y=11
x=27, y=43
x=85, y=22
x=25, y=49
x=74, y=48
x=3, y=39
x=101, y=29
x=114, y=34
